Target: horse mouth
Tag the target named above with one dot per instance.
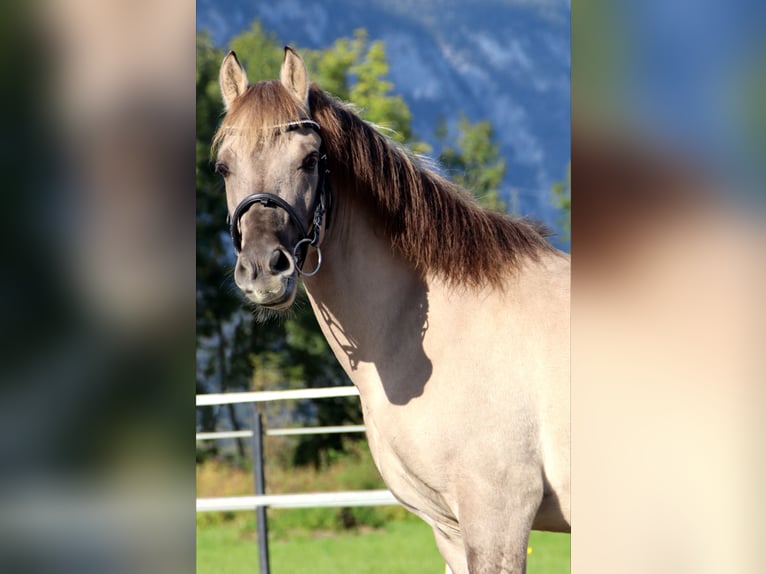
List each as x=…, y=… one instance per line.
x=282, y=305
x=278, y=299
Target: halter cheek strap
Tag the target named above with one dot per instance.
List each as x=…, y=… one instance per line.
x=323, y=200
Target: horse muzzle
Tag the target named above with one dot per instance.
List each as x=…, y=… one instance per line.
x=270, y=283
x=276, y=293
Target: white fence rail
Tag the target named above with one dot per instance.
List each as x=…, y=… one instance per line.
x=270, y=396
x=281, y=432
x=304, y=500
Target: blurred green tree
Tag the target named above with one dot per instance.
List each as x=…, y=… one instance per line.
x=474, y=161
x=562, y=198
x=260, y=53
x=356, y=70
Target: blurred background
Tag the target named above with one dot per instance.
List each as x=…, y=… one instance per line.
x=96, y=408
x=668, y=275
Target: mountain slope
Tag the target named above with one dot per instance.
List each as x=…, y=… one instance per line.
x=505, y=61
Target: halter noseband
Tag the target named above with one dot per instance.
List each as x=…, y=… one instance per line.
x=323, y=200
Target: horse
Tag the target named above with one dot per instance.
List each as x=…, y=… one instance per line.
x=452, y=321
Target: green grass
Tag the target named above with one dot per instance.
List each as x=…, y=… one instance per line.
x=550, y=553
x=401, y=547
x=385, y=540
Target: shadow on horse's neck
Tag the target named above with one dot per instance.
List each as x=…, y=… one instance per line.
x=373, y=309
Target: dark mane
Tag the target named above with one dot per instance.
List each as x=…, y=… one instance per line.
x=433, y=223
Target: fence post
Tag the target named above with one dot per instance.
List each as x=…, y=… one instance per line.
x=260, y=488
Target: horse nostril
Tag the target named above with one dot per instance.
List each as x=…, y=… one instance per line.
x=279, y=262
x=246, y=270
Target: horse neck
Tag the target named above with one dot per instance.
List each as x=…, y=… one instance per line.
x=372, y=308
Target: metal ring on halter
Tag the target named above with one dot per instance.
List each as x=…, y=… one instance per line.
x=319, y=257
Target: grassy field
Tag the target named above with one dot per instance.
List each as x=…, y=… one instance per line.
x=365, y=540
x=400, y=547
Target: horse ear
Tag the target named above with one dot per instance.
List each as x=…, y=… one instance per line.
x=294, y=76
x=232, y=78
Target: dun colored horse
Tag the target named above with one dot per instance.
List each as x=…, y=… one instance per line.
x=452, y=321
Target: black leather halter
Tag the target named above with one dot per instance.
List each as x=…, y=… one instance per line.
x=322, y=205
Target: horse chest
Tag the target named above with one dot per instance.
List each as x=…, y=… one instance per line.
x=414, y=469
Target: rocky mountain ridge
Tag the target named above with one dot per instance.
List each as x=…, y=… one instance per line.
x=504, y=61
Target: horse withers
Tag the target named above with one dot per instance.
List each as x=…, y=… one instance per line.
x=452, y=321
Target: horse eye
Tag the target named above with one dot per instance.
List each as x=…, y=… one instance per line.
x=221, y=169
x=310, y=162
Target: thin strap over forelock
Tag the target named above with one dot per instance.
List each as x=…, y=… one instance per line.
x=298, y=124
x=286, y=127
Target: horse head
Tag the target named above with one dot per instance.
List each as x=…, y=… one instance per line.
x=269, y=153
